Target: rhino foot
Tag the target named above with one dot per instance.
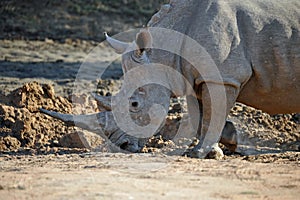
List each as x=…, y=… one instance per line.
x=214, y=152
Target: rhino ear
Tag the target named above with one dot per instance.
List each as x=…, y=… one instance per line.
x=118, y=46
x=143, y=41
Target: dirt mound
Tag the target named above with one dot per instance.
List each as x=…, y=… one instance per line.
x=33, y=96
x=23, y=126
x=258, y=129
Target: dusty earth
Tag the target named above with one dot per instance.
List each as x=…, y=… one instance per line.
x=42, y=158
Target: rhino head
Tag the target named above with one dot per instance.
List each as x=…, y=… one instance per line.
x=141, y=96
x=138, y=109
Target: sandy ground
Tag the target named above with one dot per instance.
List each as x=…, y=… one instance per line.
x=145, y=176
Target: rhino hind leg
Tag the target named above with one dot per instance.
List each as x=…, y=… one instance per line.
x=229, y=136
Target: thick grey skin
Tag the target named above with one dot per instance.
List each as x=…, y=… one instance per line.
x=254, y=43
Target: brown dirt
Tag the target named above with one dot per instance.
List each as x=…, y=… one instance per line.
x=146, y=176
x=24, y=127
x=21, y=120
x=42, y=158
x=38, y=155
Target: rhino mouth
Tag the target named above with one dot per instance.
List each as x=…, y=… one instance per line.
x=127, y=146
x=126, y=142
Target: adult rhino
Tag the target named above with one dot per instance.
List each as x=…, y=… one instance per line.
x=253, y=44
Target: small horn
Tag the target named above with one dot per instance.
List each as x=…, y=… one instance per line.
x=120, y=47
x=144, y=39
x=103, y=101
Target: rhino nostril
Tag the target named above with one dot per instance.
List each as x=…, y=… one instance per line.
x=134, y=104
x=124, y=145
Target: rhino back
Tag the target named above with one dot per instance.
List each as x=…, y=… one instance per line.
x=255, y=44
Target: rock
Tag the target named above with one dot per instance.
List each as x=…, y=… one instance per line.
x=9, y=143
x=81, y=139
x=74, y=140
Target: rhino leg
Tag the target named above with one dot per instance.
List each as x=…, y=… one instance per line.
x=213, y=119
x=229, y=136
x=102, y=124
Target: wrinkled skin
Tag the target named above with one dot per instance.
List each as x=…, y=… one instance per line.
x=254, y=44
x=255, y=51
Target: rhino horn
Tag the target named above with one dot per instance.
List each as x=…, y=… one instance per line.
x=67, y=118
x=103, y=101
x=101, y=123
x=93, y=122
x=119, y=47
